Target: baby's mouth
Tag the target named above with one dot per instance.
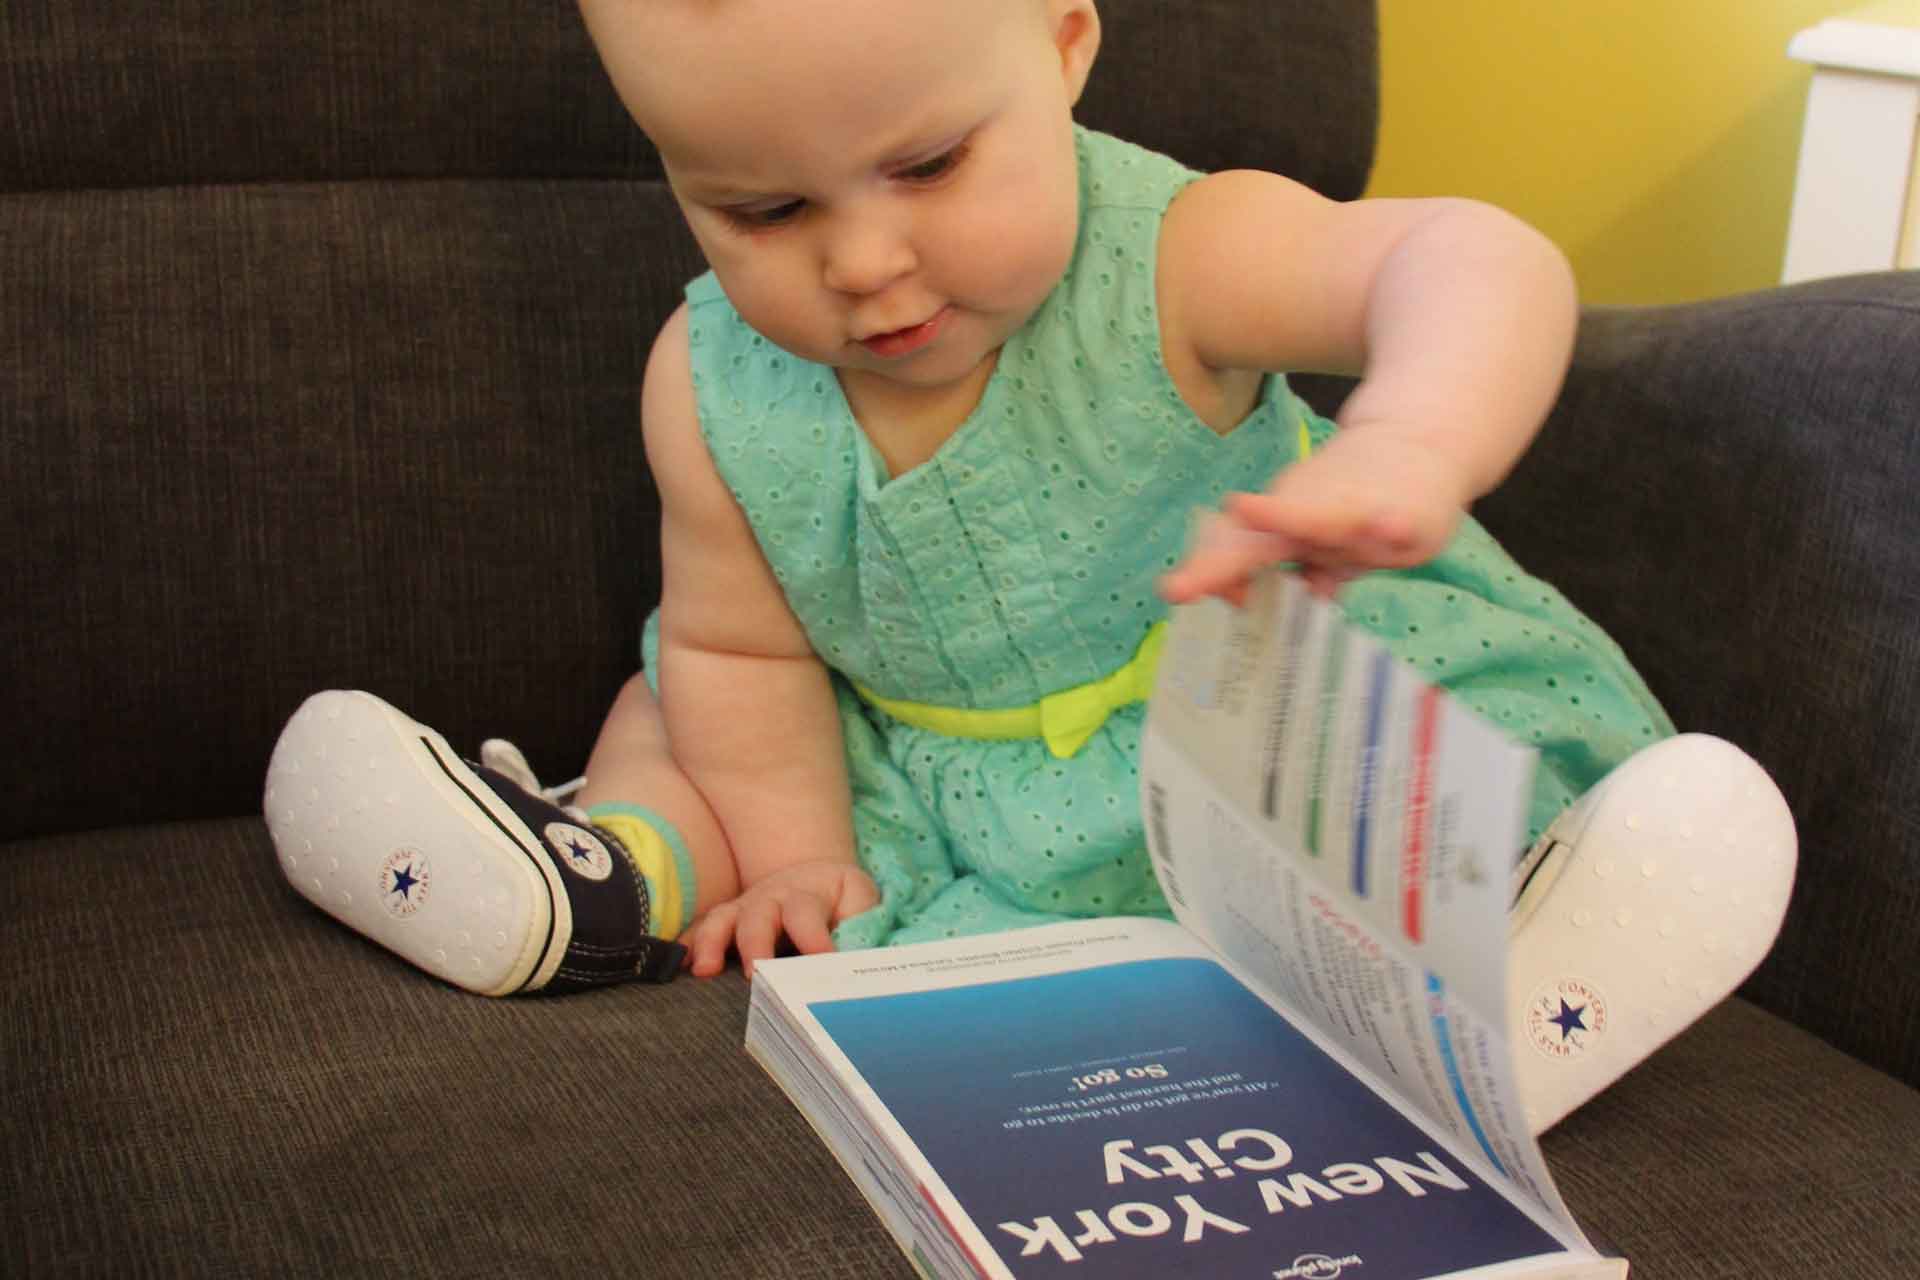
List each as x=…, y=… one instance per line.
x=904, y=342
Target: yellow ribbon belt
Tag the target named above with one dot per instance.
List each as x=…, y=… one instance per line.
x=1064, y=720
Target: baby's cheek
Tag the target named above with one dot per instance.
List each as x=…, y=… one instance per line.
x=1020, y=253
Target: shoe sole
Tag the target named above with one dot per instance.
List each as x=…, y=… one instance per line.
x=1665, y=889
x=379, y=823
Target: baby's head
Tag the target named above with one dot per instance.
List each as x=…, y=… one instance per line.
x=885, y=187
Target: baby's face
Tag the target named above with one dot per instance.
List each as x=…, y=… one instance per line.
x=888, y=188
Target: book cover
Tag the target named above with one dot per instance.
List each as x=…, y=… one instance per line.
x=1199, y=1129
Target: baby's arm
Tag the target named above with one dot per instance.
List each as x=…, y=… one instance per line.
x=749, y=709
x=1459, y=319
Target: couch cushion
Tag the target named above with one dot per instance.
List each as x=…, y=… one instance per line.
x=103, y=93
x=1289, y=87
x=265, y=440
x=200, y=1065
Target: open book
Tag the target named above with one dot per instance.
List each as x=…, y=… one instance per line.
x=1308, y=1076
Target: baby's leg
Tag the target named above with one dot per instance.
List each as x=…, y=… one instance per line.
x=632, y=774
x=1644, y=905
x=463, y=871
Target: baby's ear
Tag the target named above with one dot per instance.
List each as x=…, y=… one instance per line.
x=1076, y=34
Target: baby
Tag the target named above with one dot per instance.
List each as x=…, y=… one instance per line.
x=926, y=439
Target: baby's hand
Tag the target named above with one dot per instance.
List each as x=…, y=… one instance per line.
x=1367, y=499
x=803, y=902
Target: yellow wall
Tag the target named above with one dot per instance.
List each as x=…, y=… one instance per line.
x=1654, y=140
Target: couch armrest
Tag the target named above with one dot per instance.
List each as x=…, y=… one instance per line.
x=1728, y=487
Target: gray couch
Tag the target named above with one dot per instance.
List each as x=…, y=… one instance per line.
x=320, y=329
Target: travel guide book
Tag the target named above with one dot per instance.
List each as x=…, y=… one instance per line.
x=1305, y=1075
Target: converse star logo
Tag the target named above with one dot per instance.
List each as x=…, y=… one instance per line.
x=405, y=878
x=1565, y=1017
x=1570, y=1019
x=579, y=850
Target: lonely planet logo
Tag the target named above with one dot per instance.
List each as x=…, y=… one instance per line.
x=1317, y=1266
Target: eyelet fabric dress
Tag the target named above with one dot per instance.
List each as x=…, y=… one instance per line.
x=1020, y=561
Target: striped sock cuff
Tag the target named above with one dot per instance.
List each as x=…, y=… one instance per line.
x=661, y=852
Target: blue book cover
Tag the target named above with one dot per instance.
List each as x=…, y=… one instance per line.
x=1154, y=1118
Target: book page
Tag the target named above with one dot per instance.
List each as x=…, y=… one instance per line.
x=1342, y=832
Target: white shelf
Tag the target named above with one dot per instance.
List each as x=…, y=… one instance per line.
x=1854, y=45
x=1856, y=198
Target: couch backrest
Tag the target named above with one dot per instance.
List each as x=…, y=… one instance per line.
x=105, y=93
x=320, y=335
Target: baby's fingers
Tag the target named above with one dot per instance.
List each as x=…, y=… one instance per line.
x=707, y=940
x=1325, y=581
x=805, y=919
x=1357, y=535
x=758, y=932
x=1298, y=522
x=1222, y=560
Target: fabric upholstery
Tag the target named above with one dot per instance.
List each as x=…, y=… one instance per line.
x=106, y=93
x=266, y=439
x=109, y=93
x=284, y=1098
x=213, y=1077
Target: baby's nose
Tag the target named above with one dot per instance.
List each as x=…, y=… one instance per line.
x=867, y=255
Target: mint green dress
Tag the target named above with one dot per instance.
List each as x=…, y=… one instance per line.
x=1021, y=559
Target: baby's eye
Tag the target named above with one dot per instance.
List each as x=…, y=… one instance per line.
x=757, y=217
x=935, y=168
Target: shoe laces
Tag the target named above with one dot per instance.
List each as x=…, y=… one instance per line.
x=509, y=761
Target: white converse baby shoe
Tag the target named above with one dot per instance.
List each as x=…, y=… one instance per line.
x=1644, y=905
x=460, y=869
